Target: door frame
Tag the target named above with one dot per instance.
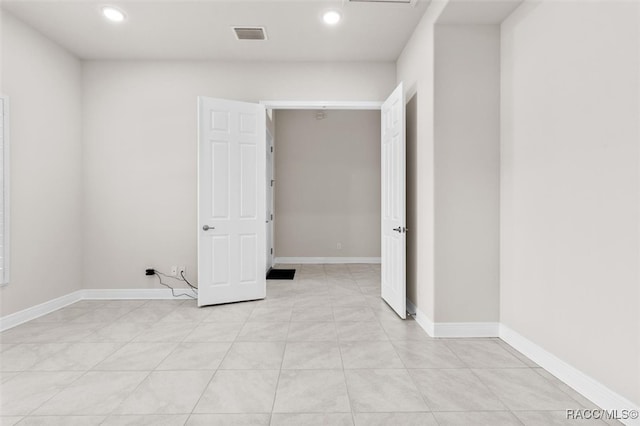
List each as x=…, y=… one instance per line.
x=271, y=104
x=270, y=203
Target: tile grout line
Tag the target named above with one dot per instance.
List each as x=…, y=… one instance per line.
x=344, y=373
x=494, y=394
x=150, y=372
x=218, y=368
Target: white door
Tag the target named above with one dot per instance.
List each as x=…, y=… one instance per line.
x=393, y=203
x=231, y=201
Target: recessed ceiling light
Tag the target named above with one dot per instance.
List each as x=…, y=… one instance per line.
x=113, y=14
x=331, y=17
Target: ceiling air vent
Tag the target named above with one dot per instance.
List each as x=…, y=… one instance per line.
x=250, y=33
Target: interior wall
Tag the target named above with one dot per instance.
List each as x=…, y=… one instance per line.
x=467, y=172
x=43, y=82
x=570, y=185
x=140, y=150
x=414, y=68
x=327, y=176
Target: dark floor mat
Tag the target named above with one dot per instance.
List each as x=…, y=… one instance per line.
x=281, y=274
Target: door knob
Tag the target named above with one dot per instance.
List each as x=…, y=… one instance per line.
x=398, y=229
x=207, y=227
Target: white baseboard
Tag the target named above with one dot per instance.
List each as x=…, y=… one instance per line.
x=590, y=388
x=134, y=293
x=20, y=317
x=422, y=320
x=328, y=260
x=467, y=329
x=453, y=329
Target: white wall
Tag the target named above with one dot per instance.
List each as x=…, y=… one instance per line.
x=327, y=184
x=140, y=150
x=467, y=172
x=415, y=68
x=43, y=82
x=570, y=185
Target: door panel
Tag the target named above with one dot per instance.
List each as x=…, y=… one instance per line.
x=248, y=181
x=220, y=162
x=393, y=274
x=220, y=249
x=231, y=201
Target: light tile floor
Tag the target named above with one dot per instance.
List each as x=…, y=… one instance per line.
x=323, y=349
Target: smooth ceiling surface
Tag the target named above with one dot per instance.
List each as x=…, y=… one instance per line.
x=478, y=12
x=202, y=29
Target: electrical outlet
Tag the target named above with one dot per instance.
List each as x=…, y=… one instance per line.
x=182, y=270
x=174, y=271
x=339, y=246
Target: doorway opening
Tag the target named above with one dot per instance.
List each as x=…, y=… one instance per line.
x=236, y=190
x=323, y=174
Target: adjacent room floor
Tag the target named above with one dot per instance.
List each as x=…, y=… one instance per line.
x=323, y=349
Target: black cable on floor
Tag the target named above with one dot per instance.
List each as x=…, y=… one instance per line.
x=173, y=291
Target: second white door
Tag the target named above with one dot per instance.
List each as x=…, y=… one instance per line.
x=393, y=247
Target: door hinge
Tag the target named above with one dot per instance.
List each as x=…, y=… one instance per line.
x=271, y=217
x=271, y=251
x=271, y=149
x=272, y=182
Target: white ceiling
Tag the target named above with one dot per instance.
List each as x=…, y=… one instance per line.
x=477, y=11
x=201, y=29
